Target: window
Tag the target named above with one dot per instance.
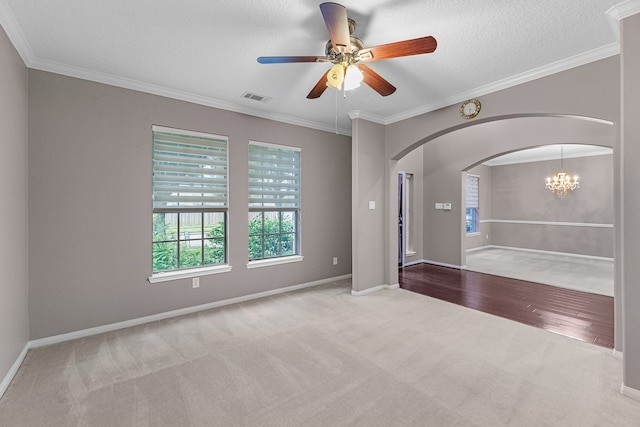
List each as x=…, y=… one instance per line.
x=274, y=201
x=189, y=199
x=472, y=187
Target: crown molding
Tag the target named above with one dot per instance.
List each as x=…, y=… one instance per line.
x=20, y=43
x=541, y=156
x=18, y=39
x=15, y=34
x=359, y=114
x=112, y=80
x=620, y=11
x=544, y=71
x=624, y=9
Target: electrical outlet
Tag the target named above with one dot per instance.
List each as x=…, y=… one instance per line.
x=195, y=282
x=335, y=260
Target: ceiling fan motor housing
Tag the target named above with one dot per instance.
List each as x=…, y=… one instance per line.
x=339, y=57
x=347, y=53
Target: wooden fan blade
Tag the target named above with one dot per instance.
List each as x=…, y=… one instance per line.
x=289, y=59
x=335, y=16
x=320, y=87
x=394, y=50
x=375, y=81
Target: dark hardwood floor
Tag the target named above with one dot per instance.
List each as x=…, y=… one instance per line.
x=584, y=316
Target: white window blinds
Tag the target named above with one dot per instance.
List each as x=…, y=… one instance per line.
x=189, y=169
x=274, y=176
x=472, y=184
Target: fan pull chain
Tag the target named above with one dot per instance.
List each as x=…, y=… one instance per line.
x=336, y=122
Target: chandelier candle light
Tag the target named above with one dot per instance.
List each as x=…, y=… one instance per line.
x=562, y=182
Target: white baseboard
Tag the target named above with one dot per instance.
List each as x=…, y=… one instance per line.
x=420, y=261
x=374, y=289
x=14, y=369
x=554, y=223
x=540, y=251
x=175, y=313
x=479, y=248
x=442, y=264
x=631, y=393
x=617, y=354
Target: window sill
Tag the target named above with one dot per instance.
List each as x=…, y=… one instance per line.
x=185, y=274
x=274, y=261
x=477, y=233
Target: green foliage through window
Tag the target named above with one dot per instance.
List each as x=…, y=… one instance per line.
x=188, y=239
x=272, y=234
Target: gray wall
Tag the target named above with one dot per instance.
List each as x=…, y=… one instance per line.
x=523, y=116
x=568, y=94
x=518, y=193
x=630, y=135
x=14, y=322
x=557, y=107
x=442, y=228
x=368, y=186
x=90, y=204
x=448, y=155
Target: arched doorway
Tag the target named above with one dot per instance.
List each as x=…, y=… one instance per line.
x=449, y=152
x=445, y=154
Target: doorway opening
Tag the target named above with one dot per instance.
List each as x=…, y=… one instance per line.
x=405, y=217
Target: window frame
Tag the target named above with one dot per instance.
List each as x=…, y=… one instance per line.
x=293, y=205
x=474, y=210
x=214, y=199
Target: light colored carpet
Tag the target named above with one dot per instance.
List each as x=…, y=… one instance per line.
x=321, y=357
x=580, y=274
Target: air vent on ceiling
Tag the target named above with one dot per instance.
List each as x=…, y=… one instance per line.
x=256, y=97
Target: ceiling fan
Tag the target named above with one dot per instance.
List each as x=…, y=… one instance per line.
x=348, y=55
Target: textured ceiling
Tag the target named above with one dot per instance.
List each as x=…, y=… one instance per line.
x=205, y=51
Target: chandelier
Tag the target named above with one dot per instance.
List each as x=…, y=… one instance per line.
x=562, y=182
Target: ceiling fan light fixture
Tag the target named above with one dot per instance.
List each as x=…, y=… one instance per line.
x=353, y=78
x=335, y=77
x=344, y=50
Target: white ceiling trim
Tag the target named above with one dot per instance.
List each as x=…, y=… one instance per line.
x=620, y=11
x=359, y=114
x=544, y=71
x=548, y=152
x=109, y=79
x=18, y=39
x=624, y=9
x=566, y=64
x=15, y=34
x=547, y=70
